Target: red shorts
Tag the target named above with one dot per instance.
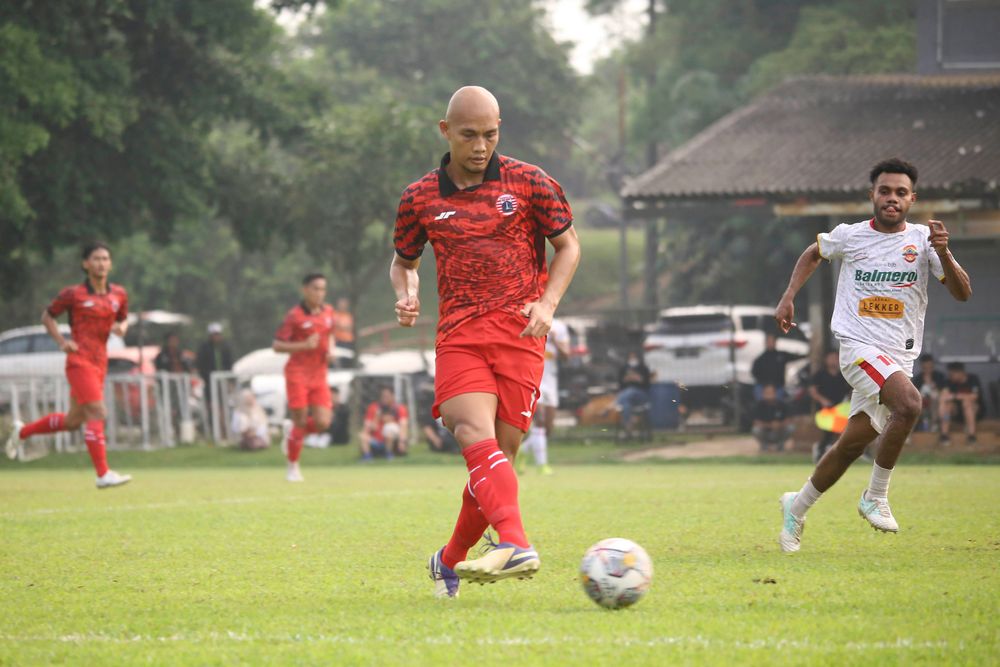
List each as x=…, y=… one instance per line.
x=86, y=383
x=305, y=391
x=485, y=354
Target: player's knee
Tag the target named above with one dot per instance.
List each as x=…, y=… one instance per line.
x=323, y=423
x=908, y=407
x=469, y=432
x=94, y=412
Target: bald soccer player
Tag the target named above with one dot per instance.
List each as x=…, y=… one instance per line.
x=487, y=217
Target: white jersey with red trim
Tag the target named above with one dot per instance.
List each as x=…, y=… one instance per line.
x=882, y=288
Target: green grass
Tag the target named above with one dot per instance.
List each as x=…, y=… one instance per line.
x=209, y=557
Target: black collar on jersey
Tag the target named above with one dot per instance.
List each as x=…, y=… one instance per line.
x=447, y=187
x=305, y=308
x=91, y=290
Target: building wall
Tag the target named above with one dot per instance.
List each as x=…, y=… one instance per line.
x=958, y=36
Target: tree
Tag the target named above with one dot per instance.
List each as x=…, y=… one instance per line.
x=106, y=110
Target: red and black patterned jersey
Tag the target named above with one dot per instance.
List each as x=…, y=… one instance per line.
x=488, y=240
x=299, y=324
x=91, y=316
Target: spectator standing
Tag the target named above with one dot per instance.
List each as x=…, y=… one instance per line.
x=213, y=355
x=385, y=432
x=771, y=425
x=929, y=382
x=633, y=390
x=340, y=423
x=827, y=387
x=172, y=358
x=962, y=395
x=769, y=368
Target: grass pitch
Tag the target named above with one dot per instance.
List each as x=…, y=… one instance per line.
x=208, y=559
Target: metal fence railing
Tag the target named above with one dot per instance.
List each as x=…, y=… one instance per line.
x=143, y=411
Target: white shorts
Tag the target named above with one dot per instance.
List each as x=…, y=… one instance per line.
x=548, y=392
x=866, y=368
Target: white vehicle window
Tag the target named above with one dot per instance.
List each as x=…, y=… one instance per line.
x=19, y=345
x=43, y=343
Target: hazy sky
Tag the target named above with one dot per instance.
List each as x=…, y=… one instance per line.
x=593, y=37
x=569, y=22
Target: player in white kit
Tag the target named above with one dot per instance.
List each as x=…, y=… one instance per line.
x=878, y=319
x=537, y=442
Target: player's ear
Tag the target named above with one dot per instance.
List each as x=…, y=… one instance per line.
x=913, y=196
x=443, y=128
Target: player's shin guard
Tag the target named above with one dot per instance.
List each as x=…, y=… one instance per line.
x=295, y=441
x=494, y=485
x=50, y=423
x=93, y=435
x=468, y=529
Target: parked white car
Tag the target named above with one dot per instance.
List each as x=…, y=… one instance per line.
x=697, y=346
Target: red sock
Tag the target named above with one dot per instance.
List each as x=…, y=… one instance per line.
x=311, y=425
x=494, y=486
x=468, y=529
x=93, y=435
x=50, y=423
x=295, y=439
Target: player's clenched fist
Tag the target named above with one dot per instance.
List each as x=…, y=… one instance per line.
x=407, y=311
x=938, y=237
x=784, y=314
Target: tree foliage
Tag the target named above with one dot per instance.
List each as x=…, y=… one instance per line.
x=106, y=110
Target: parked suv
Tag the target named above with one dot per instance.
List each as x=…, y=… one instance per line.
x=697, y=346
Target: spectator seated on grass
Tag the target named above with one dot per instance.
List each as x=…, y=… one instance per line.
x=385, y=431
x=249, y=423
x=633, y=393
x=771, y=424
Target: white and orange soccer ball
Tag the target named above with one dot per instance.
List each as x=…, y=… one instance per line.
x=616, y=573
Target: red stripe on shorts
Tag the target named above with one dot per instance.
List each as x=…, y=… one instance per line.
x=872, y=373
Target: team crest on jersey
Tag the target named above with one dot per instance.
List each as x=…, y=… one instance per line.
x=910, y=253
x=507, y=204
x=114, y=305
x=88, y=304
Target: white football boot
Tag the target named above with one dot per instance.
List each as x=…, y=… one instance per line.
x=111, y=478
x=876, y=512
x=792, y=526
x=294, y=474
x=10, y=448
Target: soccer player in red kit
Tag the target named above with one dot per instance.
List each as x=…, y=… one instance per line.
x=487, y=217
x=95, y=309
x=305, y=334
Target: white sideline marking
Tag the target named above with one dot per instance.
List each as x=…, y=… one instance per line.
x=904, y=643
x=48, y=511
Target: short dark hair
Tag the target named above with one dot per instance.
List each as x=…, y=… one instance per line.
x=926, y=356
x=91, y=247
x=893, y=165
x=311, y=277
x=956, y=366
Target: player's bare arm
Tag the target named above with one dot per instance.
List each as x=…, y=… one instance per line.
x=565, y=259
x=406, y=283
x=955, y=278
x=52, y=327
x=806, y=265
x=119, y=328
x=310, y=343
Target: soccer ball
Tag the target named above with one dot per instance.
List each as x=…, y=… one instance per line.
x=616, y=572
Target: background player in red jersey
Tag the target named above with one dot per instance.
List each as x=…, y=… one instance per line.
x=487, y=217
x=305, y=334
x=95, y=308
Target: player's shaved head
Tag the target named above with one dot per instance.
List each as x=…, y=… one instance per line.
x=472, y=102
